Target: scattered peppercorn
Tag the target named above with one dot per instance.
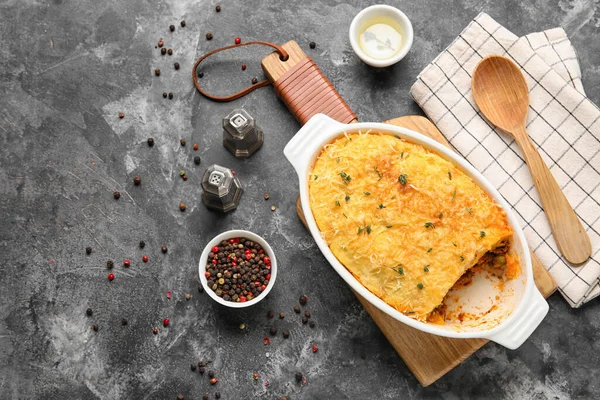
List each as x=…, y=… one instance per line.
x=242, y=326
x=181, y=173
x=303, y=300
x=121, y=115
x=298, y=376
x=266, y=341
x=209, y=36
x=315, y=348
x=200, y=289
x=217, y=395
x=196, y=147
x=193, y=366
x=200, y=74
x=307, y=314
x=89, y=312
x=109, y=264
x=273, y=331
x=197, y=160
x=163, y=51
x=126, y=263
x=170, y=52
x=111, y=276
x=142, y=244
x=123, y=322
x=137, y=180
x=165, y=95
x=297, y=309
x=170, y=95
x=176, y=65
x=270, y=314
x=179, y=396
x=238, y=40
x=88, y=250
x=182, y=207
x=172, y=27
x=201, y=370
x=254, y=81
x=164, y=249
x=286, y=334
x=182, y=23
x=185, y=178
x=312, y=45
x=243, y=67
x=182, y=142
x=145, y=259
x=150, y=142
x=312, y=324
x=205, y=396
x=281, y=315
x=95, y=327
x=161, y=43
x=214, y=381
x=157, y=72
x=266, y=196
x=188, y=296
x=166, y=322
x=211, y=373
x=155, y=331
x=218, y=8
x=304, y=320
x=273, y=208
x=116, y=195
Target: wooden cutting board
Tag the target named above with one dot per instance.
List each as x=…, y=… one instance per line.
x=428, y=356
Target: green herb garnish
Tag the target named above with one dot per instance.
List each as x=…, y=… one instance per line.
x=398, y=268
x=429, y=225
x=454, y=195
x=420, y=286
x=429, y=250
x=402, y=179
x=402, y=155
x=449, y=175
x=367, y=193
x=337, y=203
x=441, y=215
x=454, y=244
x=344, y=214
x=360, y=230
x=409, y=312
x=469, y=210
x=426, y=268
x=381, y=206
x=345, y=177
x=368, y=229
x=388, y=226
x=347, y=198
x=462, y=258
x=378, y=174
x=482, y=234
x=316, y=177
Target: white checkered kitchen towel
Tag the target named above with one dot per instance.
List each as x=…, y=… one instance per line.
x=562, y=122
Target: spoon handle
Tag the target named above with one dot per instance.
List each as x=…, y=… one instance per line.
x=571, y=238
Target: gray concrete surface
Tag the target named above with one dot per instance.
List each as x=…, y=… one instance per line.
x=69, y=67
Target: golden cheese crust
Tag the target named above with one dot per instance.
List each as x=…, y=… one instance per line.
x=404, y=221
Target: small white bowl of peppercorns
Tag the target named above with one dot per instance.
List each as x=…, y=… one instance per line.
x=237, y=268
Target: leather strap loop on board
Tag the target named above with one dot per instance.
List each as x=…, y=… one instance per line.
x=283, y=55
x=306, y=92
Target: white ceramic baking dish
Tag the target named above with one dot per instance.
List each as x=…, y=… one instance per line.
x=512, y=310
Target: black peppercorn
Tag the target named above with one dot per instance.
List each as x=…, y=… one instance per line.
x=95, y=327
x=211, y=373
x=200, y=289
x=307, y=314
x=201, y=370
x=298, y=376
x=197, y=160
x=121, y=115
x=312, y=45
x=165, y=95
x=182, y=23
x=137, y=180
x=218, y=8
x=116, y=195
x=303, y=300
x=123, y=322
x=205, y=396
x=193, y=366
x=217, y=395
x=163, y=51
x=109, y=264
x=209, y=36
x=312, y=323
x=170, y=52
x=88, y=250
x=176, y=65
x=200, y=74
x=164, y=249
x=150, y=140
x=157, y=72
x=254, y=81
x=182, y=142
x=170, y=95
x=286, y=334
x=89, y=312
x=273, y=331
x=297, y=309
x=142, y=244
x=304, y=320
x=172, y=27
x=270, y=314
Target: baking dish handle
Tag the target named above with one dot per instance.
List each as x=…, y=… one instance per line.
x=522, y=326
x=306, y=141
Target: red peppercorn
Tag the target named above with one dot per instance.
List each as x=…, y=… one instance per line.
x=268, y=277
x=315, y=348
x=196, y=147
x=263, y=288
x=215, y=249
x=266, y=340
x=126, y=263
x=169, y=294
x=166, y=322
x=111, y=276
x=214, y=381
x=207, y=274
x=267, y=260
x=243, y=299
x=243, y=67
x=155, y=331
x=145, y=259
x=238, y=40
x=232, y=241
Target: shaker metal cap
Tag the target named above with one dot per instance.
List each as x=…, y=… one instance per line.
x=241, y=136
x=221, y=190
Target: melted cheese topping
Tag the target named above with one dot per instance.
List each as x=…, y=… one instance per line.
x=404, y=221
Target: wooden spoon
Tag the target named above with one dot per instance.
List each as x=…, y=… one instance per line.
x=501, y=93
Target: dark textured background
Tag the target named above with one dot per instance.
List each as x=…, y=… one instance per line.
x=67, y=68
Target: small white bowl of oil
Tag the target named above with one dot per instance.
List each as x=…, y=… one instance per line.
x=381, y=35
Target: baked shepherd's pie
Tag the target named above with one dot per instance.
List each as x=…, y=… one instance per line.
x=404, y=221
